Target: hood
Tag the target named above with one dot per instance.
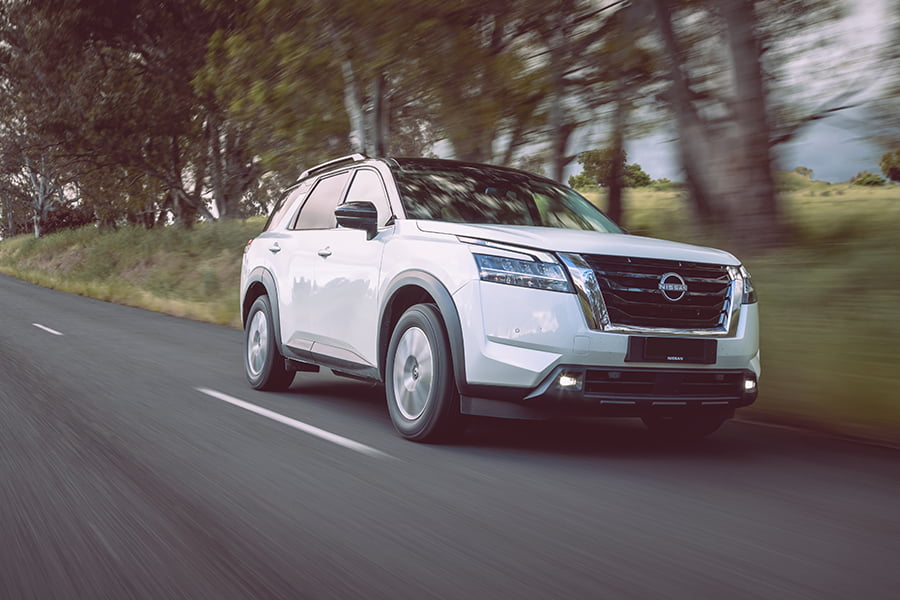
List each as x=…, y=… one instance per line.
x=582, y=242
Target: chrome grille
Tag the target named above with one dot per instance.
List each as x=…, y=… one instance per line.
x=630, y=290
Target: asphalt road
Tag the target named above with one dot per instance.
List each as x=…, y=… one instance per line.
x=131, y=469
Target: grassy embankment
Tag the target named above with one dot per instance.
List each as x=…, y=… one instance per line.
x=830, y=304
x=191, y=274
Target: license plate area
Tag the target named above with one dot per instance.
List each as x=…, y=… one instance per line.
x=671, y=350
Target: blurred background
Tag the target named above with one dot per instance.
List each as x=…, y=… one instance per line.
x=140, y=141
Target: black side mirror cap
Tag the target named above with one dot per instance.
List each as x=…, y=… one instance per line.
x=358, y=215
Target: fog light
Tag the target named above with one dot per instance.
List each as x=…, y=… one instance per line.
x=570, y=381
x=749, y=384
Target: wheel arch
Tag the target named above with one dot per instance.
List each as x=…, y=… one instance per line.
x=261, y=282
x=415, y=287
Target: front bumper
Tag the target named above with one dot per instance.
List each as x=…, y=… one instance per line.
x=579, y=391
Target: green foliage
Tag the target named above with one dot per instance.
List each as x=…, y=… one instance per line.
x=867, y=178
x=102, y=94
x=664, y=184
x=636, y=177
x=598, y=164
x=890, y=165
x=580, y=181
x=598, y=167
x=805, y=171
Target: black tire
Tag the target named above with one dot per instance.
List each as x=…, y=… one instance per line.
x=421, y=392
x=683, y=427
x=263, y=361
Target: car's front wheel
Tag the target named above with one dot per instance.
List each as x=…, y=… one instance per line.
x=263, y=362
x=421, y=393
x=684, y=427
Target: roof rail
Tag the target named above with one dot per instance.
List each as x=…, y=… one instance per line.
x=350, y=158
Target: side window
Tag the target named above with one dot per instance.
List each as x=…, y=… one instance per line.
x=367, y=185
x=318, y=210
x=286, y=204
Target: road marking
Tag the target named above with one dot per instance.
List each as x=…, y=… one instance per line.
x=300, y=425
x=47, y=329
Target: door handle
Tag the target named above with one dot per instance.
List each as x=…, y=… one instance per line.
x=275, y=248
x=325, y=252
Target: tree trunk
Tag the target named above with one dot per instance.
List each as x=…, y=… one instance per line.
x=217, y=166
x=354, y=106
x=232, y=169
x=379, y=127
x=560, y=129
x=727, y=163
x=617, y=169
x=754, y=215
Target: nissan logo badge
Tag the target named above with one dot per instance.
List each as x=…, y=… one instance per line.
x=672, y=287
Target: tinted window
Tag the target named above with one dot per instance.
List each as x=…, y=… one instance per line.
x=318, y=210
x=477, y=194
x=367, y=185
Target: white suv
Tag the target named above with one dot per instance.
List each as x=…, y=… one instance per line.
x=471, y=289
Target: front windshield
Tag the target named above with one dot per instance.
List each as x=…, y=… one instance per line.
x=478, y=194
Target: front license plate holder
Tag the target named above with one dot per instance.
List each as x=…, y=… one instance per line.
x=678, y=351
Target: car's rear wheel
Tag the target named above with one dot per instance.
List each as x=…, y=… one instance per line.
x=421, y=394
x=684, y=427
x=263, y=362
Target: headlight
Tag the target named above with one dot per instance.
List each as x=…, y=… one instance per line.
x=526, y=273
x=749, y=291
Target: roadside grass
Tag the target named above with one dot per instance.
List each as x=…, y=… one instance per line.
x=190, y=274
x=830, y=303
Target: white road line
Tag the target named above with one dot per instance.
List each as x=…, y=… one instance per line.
x=300, y=425
x=47, y=329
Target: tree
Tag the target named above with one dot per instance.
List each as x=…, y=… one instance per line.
x=301, y=77
x=606, y=167
x=631, y=68
x=805, y=171
x=599, y=168
x=890, y=165
x=484, y=94
x=867, y=178
x=509, y=72
x=14, y=211
x=883, y=112
x=727, y=161
x=108, y=85
x=598, y=164
x=27, y=167
x=636, y=177
x=722, y=101
x=581, y=181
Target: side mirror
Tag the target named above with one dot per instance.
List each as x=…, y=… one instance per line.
x=358, y=215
